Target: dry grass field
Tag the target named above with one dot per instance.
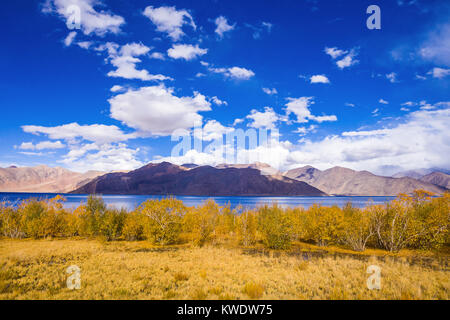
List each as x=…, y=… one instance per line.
x=36, y=269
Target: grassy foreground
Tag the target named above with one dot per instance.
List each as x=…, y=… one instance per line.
x=36, y=269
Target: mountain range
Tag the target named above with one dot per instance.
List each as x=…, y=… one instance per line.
x=344, y=181
x=222, y=180
x=166, y=178
x=43, y=179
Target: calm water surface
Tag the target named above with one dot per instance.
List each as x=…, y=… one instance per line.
x=130, y=202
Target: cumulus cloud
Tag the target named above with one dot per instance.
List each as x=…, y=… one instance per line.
x=319, y=78
x=170, y=20
x=71, y=132
x=124, y=58
x=266, y=119
x=346, y=58
x=374, y=150
x=157, y=111
x=219, y=102
x=91, y=20
x=186, y=51
x=439, y=73
x=334, y=52
x=270, y=91
x=212, y=130
x=300, y=108
x=105, y=157
x=382, y=101
x=42, y=145
x=69, y=39
x=157, y=55
x=223, y=26
x=237, y=73
x=392, y=77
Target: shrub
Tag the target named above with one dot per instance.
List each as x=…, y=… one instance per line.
x=111, y=224
x=247, y=225
x=201, y=222
x=11, y=224
x=133, y=228
x=324, y=225
x=357, y=227
x=275, y=226
x=163, y=220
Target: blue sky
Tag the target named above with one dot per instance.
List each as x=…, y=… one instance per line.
x=108, y=95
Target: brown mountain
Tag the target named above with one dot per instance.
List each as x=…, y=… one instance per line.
x=343, y=181
x=438, y=178
x=43, y=179
x=264, y=168
x=169, y=179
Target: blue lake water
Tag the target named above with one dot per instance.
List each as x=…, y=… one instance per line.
x=130, y=202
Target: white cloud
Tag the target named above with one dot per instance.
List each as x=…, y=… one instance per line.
x=237, y=121
x=186, y=51
x=319, y=78
x=383, y=101
x=85, y=44
x=222, y=26
x=70, y=132
x=157, y=55
x=170, y=20
x=69, y=39
x=439, y=73
x=409, y=104
x=347, y=58
x=219, y=102
x=347, y=61
x=334, y=52
x=258, y=29
x=300, y=107
x=212, y=130
x=91, y=20
x=270, y=91
x=157, y=111
x=266, y=119
x=44, y=145
x=234, y=72
x=381, y=150
x=375, y=112
x=348, y=104
x=124, y=59
x=302, y=131
x=392, y=77
x=116, y=88
x=436, y=47
x=106, y=157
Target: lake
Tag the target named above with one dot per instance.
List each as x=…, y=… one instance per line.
x=130, y=202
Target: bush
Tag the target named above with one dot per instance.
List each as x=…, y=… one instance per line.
x=357, y=227
x=163, y=223
x=275, y=226
x=247, y=224
x=133, y=228
x=324, y=225
x=201, y=222
x=10, y=222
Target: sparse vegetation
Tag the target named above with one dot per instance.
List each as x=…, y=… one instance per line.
x=164, y=250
